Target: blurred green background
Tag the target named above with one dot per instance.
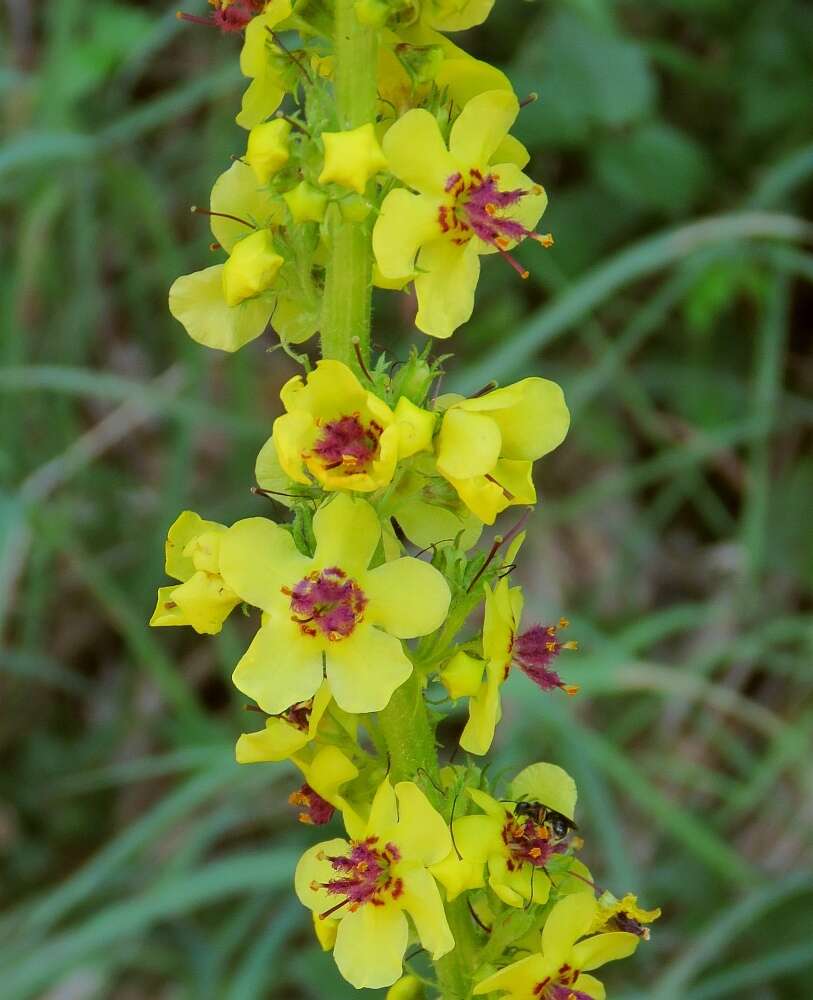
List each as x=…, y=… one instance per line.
x=675, y=138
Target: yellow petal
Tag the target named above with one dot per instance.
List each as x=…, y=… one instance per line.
x=458, y=875
x=468, y=444
x=511, y=150
x=236, y=192
x=352, y=157
x=445, y=287
x=198, y=302
x=484, y=498
x=536, y=423
x=481, y=127
x=516, y=885
x=406, y=222
x=454, y=15
x=415, y=427
x=518, y=979
x=261, y=99
x=186, y=526
x=370, y=946
x=314, y=869
x=167, y=611
x=267, y=149
x=408, y=597
x=422, y=835
x=278, y=741
x=257, y=559
x=422, y=902
x=591, y=986
x=205, y=602
x=347, y=533
x=280, y=668
x=548, y=784
x=417, y=154
x=364, y=669
x=329, y=392
x=407, y=988
x=384, y=810
x=465, y=78
x=325, y=931
x=569, y=920
x=478, y=836
x=484, y=714
x=251, y=268
x=293, y=434
x=327, y=771
x=602, y=948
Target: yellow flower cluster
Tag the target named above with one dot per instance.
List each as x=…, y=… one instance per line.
x=371, y=589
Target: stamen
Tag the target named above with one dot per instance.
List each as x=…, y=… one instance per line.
x=195, y=210
x=530, y=99
x=488, y=387
x=356, y=342
x=506, y=493
x=195, y=19
x=521, y=271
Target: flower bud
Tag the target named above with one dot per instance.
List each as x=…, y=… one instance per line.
x=413, y=379
x=352, y=157
x=267, y=148
x=306, y=203
x=251, y=268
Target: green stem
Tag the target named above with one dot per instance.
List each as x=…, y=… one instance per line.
x=348, y=284
x=404, y=723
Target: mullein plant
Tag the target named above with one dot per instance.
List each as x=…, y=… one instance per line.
x=392, y=165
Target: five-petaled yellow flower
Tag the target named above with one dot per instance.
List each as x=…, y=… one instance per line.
x=371, y=882
x=560, y=970
x=202, y=599
x=330, y=615
x=342, y=435
x=469, y=202
x=487, y=444
x=512, y=845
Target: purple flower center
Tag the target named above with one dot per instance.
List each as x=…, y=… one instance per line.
x=560, y=986
x=228, y=15
x=327, y=603
x=528, y=842
x=315, y=810
x=479, y=208
x=299, y=715
x=364, y=875
x=536, y=649
x=347, y=444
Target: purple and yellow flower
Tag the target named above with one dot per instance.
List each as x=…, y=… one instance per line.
x=560, y=971
x=341, y=435
x=511, y=845
x=467, y=202
x=373, y=881
x=329, y=616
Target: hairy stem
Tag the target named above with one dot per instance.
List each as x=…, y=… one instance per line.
x=346, y=308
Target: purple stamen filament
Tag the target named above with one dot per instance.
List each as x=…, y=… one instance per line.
x=364, y=875
x=478, y=208
x=346, y=443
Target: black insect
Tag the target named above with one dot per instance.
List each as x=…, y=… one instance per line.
x=558, y=825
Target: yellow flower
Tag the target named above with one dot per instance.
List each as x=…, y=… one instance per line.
x=341, y=434
x=267, y=148
x=371, y=882
x=466, y=205
x=202, y=599
x=560, y=970
x=513, y=846
x=228, y=305
x=352, y=157
x=329, y=615
x=623, y=915
x=487, y=445
x=251, y=268
x=267, y=88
